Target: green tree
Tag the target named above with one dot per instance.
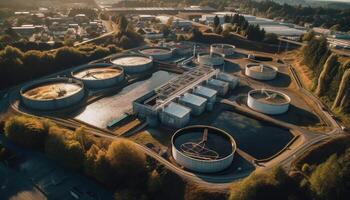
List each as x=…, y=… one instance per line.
x=26, y=131
x=128, y=164
x=62, y=147
x=330, y=180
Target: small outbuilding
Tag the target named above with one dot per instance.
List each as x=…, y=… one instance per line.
x=195, y=103
x=220, y=86
x=206, y=93
x=175, y=115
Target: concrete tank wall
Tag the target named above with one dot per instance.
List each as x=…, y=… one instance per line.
x=268, y=108
x=225, y=49
x=264, y=76
x=210, y=60
x=203, y=166
x=195, y=109
x=158, y=56
x=173, y=121
x=137, y=68
x=52, y=104
x=100, y=83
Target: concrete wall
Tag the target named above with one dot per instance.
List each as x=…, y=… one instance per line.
x=232, y=80
x=195, y=109
x=271, y=109
x=160, y=56
x=206, y=59
x=100, y=83
x=225, y=49
x=201, y=165
x=137, y=68
x=264, y=76
x=53, y=104
x=173, y=121
x=222, y=90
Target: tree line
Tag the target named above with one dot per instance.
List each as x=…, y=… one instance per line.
x=17, y=66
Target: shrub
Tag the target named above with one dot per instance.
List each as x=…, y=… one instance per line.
x=26, y=131
x=62, y=147
x=128, y=164
x=330, y=180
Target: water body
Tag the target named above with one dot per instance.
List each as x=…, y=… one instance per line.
x=109, y=108
x=259, y=139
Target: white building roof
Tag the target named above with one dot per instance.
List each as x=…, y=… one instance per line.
x=217, y=82
x=204, y=91
x=176, y=110
x=227, y=77
x=193, y=99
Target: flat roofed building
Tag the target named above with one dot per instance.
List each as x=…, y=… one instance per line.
x=175, y=115
x=196, y=103
x=207, y=93
x=220, y=86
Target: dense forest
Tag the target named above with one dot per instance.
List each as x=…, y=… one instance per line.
x=332, y=74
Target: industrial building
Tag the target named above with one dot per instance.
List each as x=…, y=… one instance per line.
x=175, y=115
x=99, y=75
x=268, y=101
x=196, y=103
x=203, y=149
x=133, y=63
x=221, y=87
x=157, y=53
x=230, y=79
x=187, y=90
x=207, y=93
x=52, y=94
x=261, y=71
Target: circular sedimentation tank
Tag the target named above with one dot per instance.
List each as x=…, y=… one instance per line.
x=133, y=63
x=260, y=71
x=210, y=59
x=183, y=48
x=204, y=149
x=52, y=94
x=99, y=75
x=268, y=101
x=224, y=49
x=157, y=53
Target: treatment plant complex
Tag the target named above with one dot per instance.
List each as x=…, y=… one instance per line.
x=205, y=111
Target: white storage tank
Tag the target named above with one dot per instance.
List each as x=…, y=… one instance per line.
x=133, y=63
x=207, y=93
x=232, y=80
x=260, y=71
x=220, y=86
x=157, y=53
x=175, y=115
x=224, y=49
x=268, y=101
x=210, y=59
x=52, y=94
x=203, y=149
x=196, y=103
x=99, y=75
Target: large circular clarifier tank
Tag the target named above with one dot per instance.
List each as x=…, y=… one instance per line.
x=157, y=53
x=99, y=75
x=224, y=49
x=52, y=94
x=203, y=149
x=133, y=63
x=268, y=101
x=260, y=71
x=210, y=59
